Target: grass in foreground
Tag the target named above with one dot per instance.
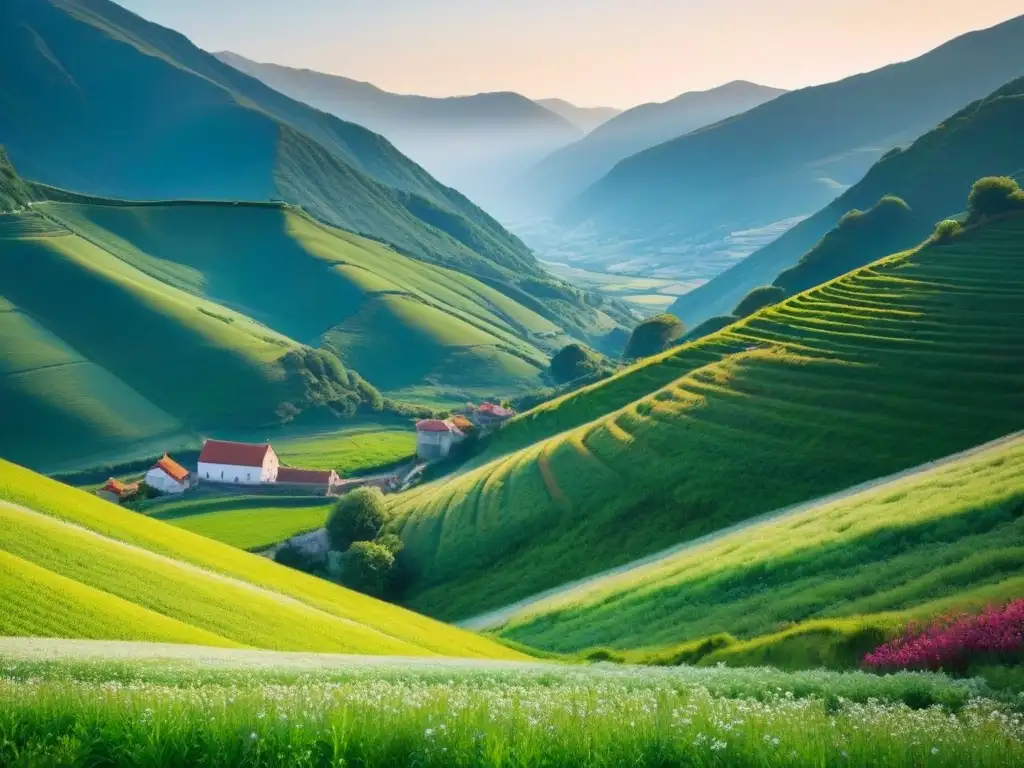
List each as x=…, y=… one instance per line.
x=165, y=714
x=246, y=522
x=913, y=358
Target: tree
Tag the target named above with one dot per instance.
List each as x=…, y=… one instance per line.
x=572, y=362
x=993, y=196
x=758, y=299
x=948, y=229
x=654, y=335
x=367, y=567
x=358, y=516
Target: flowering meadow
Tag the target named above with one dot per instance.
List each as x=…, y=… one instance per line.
x=954, y=643
x=369, y=713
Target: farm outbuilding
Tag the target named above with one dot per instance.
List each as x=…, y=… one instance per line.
x=311, y=479
x=435, y=438
x=168, y=476
x=115, y=490
x=241, y=463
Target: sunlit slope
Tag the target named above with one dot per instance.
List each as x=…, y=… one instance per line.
x=221, y=595
x=955, y=533
x=912, y=358
x=397, y=321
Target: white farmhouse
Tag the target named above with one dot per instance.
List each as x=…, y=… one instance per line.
x=168, y=476
x=435, y=438
x=241, y=463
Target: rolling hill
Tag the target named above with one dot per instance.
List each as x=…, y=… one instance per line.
x=912, y=358
x=111, y=310
x=916, y=545
x=932, y=175
x=474, y=143
x=584, y=118
x=567, y=172
x=98, y=100
x=707, y=196
x=73, y=565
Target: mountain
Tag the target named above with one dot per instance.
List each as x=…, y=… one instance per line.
x=568, y=172
x=111, y=312
x=584, y=118
x=73, y=565
x=15, y=194
x=910, y=359
x=932, y=175
x=474, y=143
x=98, y=100
x=831, y=574
x=715, y=194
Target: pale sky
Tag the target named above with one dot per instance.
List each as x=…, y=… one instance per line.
x=591, y=52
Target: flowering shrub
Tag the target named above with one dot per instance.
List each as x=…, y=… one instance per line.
x=954, y=642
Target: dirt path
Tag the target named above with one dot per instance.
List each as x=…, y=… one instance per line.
x=496, y=618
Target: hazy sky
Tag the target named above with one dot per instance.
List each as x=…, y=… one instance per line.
x=617, y=52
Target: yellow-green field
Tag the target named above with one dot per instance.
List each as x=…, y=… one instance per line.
x=952, y=536
x=100, y=562
x=910, y=359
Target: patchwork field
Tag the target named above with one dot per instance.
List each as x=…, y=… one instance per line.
x=953, y=536
x=246, y=522
x=124, y=706
x=100, y=563
x=907, y=360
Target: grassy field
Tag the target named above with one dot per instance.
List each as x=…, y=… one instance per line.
x=227, y=711
x=175, y=586
x=247, y=522
x=912, y=547
x=910, y=359
x=164, y=302
x=350, y=451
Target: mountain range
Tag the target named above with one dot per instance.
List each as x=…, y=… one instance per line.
x=585, y=118
x=474, y=143
x=693, y=197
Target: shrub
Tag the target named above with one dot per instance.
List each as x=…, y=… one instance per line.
x=293, y=556
x=954, y=642
x=367, y=567
x=758, y=299
x=358, y=516
x=653, y=336
x=948, y=229
x=572, y=362
x=993, y=196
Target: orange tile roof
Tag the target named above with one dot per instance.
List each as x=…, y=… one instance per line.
x=235, y=454
x=116, y=486
x=172, y=469
x=461, y=422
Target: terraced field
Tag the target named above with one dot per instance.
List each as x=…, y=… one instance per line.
x=951, y=536
x=246, y=522
x=913, y=358
x=112, y=574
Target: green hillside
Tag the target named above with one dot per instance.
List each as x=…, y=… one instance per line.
x=690, y=197
x=950, y=536
x=933, y=175
x=15, y=194
x=913, y=358
x=128, y=329
x=74, y=565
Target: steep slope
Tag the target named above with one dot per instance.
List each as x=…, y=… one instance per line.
x=789, y=157
x=98, y=100
x=952, y=534
x=113, y=311
x=475, y=143
x=15, y=194
x=910, y=359
x=73, y=565
x=933, y=175
x=569, y=171
x=586, y=119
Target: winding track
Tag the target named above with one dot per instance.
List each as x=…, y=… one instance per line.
x=501, y=616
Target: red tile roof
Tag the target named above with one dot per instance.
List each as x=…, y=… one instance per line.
x=496, y=410
x=306, y=476
x=434, y=425
x=235, y=454
x=172, y=469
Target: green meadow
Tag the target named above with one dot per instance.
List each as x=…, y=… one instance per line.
x=952, y=537
x=74, y=565
x=910, y=359
x=350, y=451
